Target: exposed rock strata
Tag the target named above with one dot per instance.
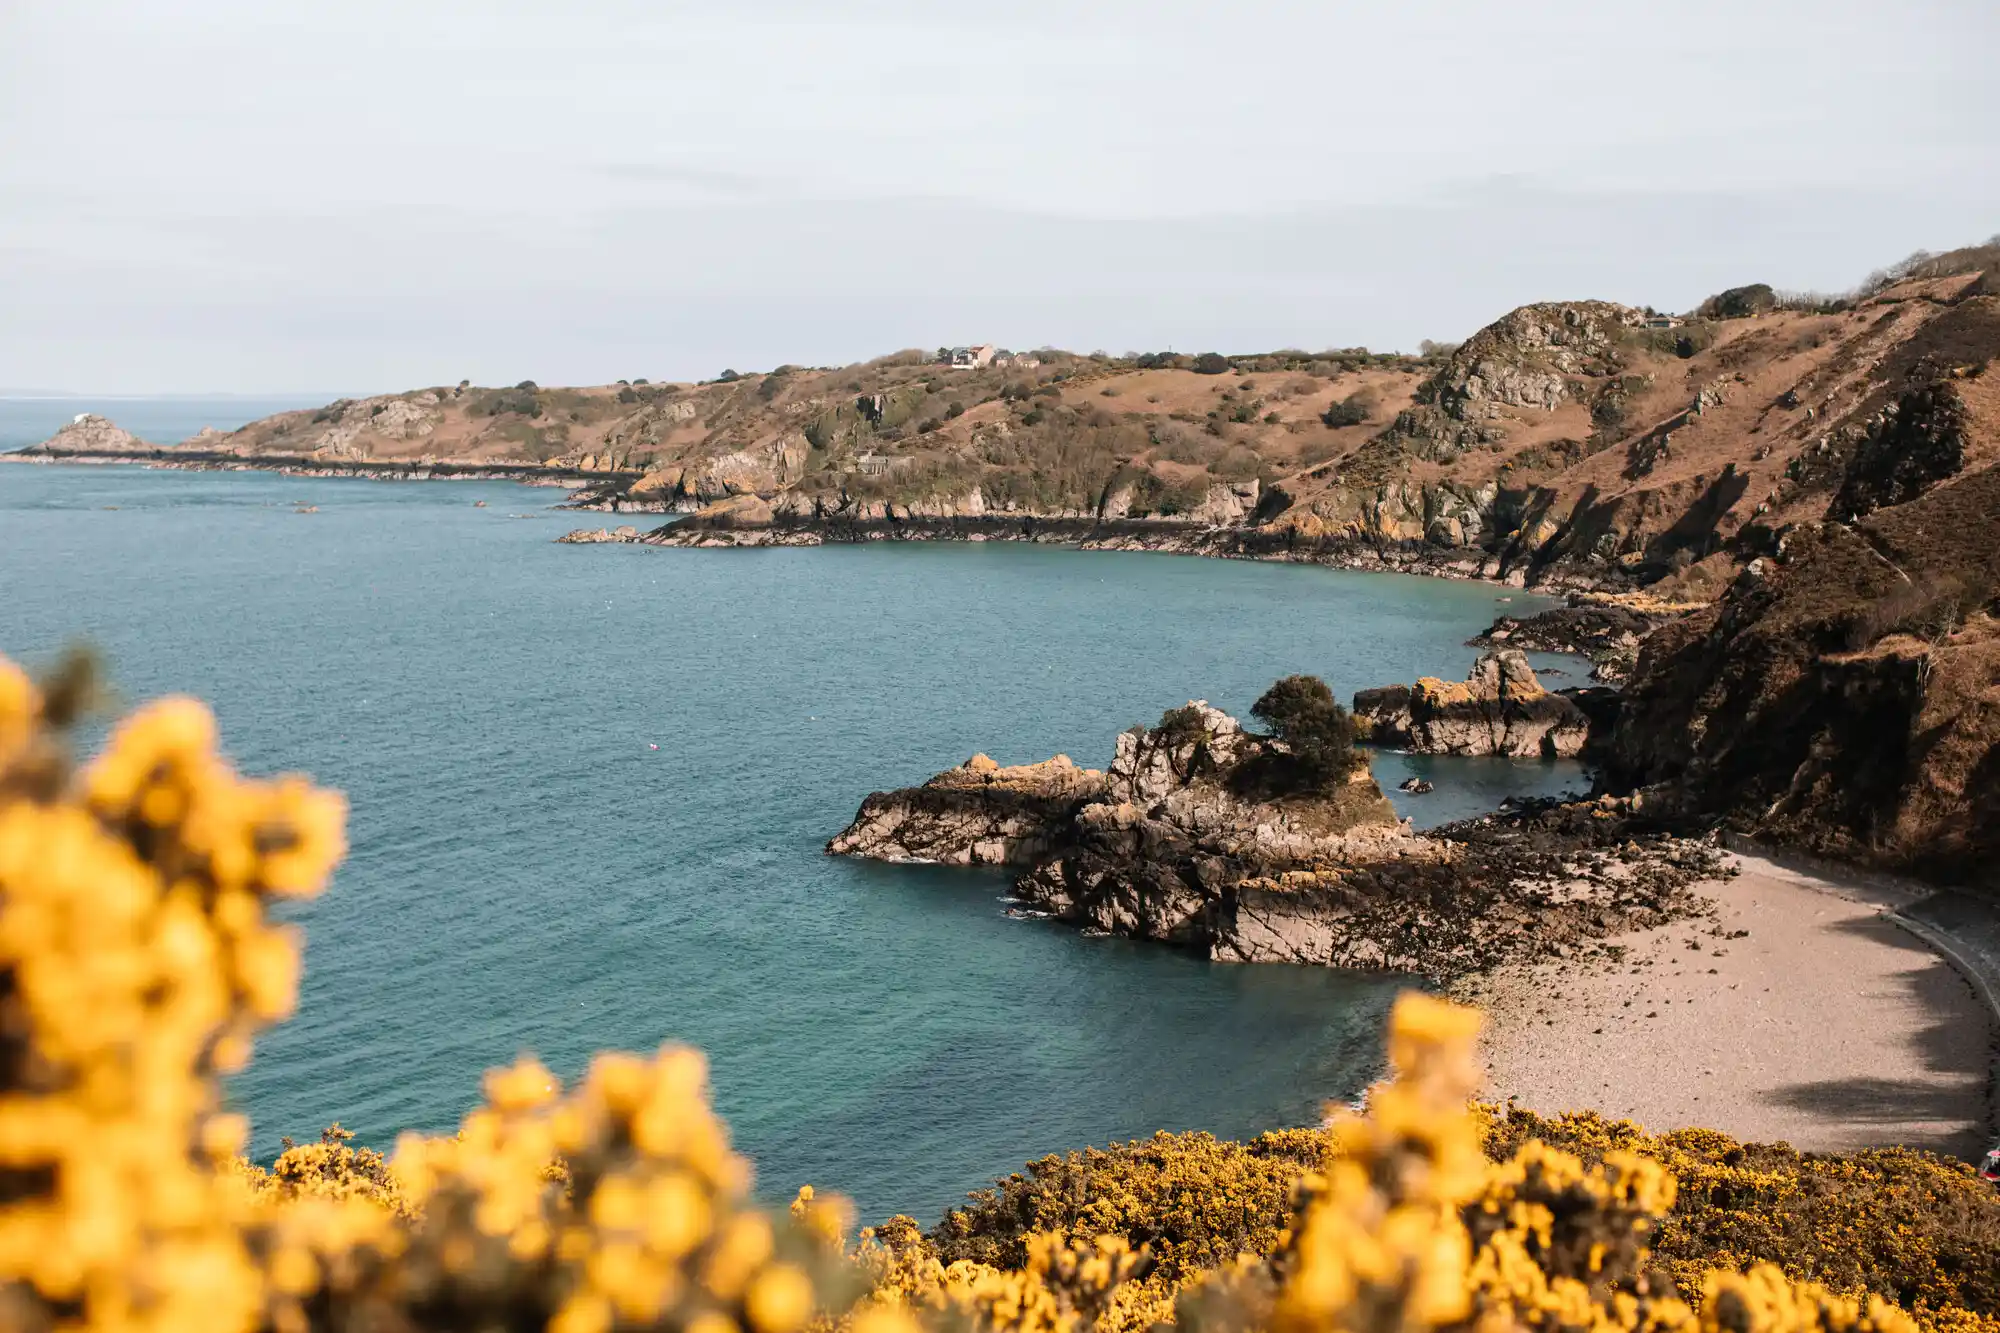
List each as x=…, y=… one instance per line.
x=1499, y=709
x=1844, y=697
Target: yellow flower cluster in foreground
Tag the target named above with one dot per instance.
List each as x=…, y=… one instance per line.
x=136, y=961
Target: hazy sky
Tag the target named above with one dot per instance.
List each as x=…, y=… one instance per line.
x=254, y=195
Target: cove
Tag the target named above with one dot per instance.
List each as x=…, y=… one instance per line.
x=528, y=873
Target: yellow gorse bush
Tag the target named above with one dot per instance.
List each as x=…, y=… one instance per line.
x=137, y=961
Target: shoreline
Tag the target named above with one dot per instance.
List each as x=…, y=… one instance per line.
x=1165, y=537
x=166, y=459
x=1805, y=1009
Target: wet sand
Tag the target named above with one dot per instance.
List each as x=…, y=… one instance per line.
x=1827, y=1025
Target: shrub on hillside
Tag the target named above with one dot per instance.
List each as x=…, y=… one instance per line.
x=1177, y=443
x=1237, y=463
x=1195, y=1201
x=1739, y=302
x=1211, y=363
x=1353, y=410
x=1920, y=1229
x=499, y=402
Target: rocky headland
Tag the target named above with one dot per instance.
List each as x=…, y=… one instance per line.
x=1201, y=835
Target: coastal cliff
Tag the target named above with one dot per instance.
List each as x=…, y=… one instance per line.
x=1843, y=694
x=1204, y=835
x=1780, y=506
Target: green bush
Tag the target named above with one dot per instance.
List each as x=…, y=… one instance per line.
x=1315, y=730
x=1739, y=302
x=1353, y=410
x=1211, y=363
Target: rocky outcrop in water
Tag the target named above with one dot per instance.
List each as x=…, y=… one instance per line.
x=1499, y=709
x=1185, y=817
x=1194, y=838
x=93, y=434
x=976, y=814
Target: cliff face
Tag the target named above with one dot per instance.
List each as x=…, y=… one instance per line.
x=1499, y=709
x=1844, y=694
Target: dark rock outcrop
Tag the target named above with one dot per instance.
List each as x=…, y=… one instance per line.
x=1844, y=696
x=1917, y=442
x=1606, y=632
x=1182, y=822
x=1499, y=709
x=1183, y=840
x=976, y=814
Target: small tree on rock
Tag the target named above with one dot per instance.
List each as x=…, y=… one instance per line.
x=1315, y=730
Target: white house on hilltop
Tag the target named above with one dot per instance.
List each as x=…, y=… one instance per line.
x=972, y=358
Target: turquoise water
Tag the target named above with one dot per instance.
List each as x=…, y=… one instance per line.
x=529, y=874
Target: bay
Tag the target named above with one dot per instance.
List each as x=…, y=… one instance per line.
x=529, y=873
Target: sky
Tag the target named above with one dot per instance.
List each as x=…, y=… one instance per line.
x=266, y=196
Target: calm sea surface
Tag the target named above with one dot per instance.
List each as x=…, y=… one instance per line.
x=530, y=874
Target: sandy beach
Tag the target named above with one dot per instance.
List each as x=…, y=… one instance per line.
x=1800, y=1012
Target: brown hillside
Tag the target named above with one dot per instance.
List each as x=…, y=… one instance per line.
x=1579, y=442
x=1845, y=692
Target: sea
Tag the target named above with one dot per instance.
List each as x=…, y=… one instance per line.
x=590, y=786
